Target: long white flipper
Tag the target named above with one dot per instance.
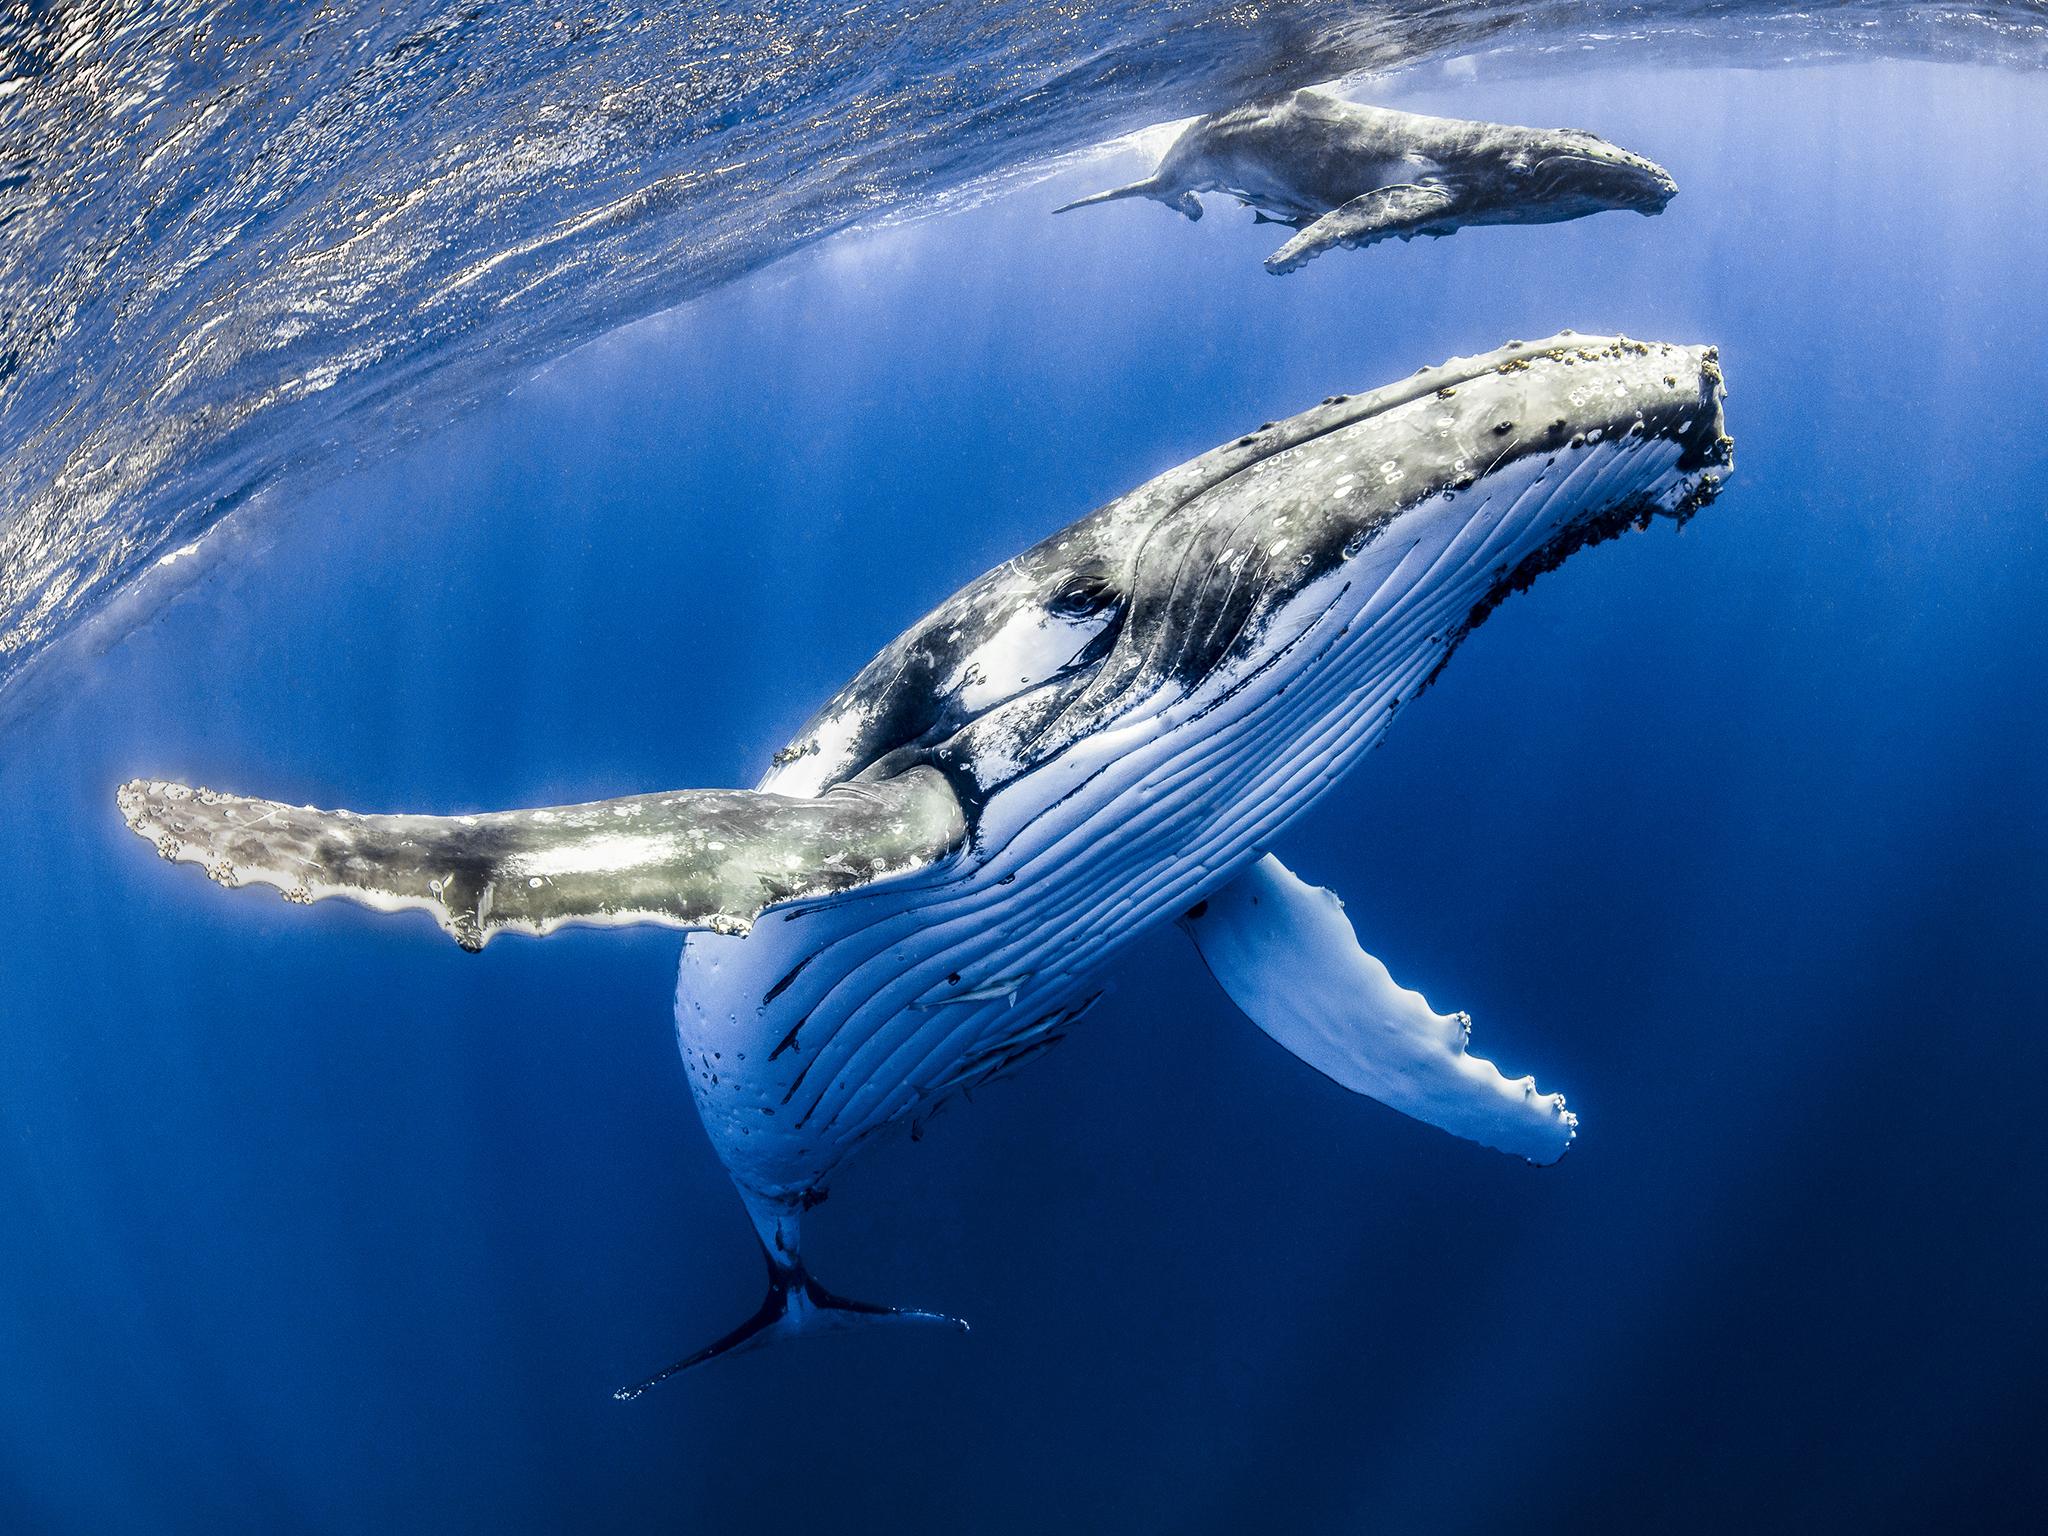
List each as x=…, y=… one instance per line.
x=1287, y=955
x=1404, y=210
x=700, y=858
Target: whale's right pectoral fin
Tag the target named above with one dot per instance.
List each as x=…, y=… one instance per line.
x=1287, y=955
x=686, y=859
x=1405, y=210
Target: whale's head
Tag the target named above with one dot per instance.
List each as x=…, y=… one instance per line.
x=1319, y=569
x=1569, y=173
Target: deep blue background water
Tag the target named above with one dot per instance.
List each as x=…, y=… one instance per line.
x=313, y=1222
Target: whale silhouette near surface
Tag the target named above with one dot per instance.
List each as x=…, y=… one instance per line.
x=1103, y=735
x=1343, y=174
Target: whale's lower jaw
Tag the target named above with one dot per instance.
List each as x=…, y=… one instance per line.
x=881, y=1005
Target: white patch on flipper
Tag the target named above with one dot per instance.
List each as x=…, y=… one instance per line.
x=1026, y=649
x=1289, y=958
x=807, y=768
x=598, y=852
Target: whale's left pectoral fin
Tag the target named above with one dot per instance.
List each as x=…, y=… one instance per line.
x=1406, y=210
x=1287, y=955
x=686, y=859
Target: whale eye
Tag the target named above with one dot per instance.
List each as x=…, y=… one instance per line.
x=1083, y=595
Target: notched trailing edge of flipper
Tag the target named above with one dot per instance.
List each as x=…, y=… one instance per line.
x=1289, y=958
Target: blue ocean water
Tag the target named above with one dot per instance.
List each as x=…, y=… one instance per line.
x=1735, y=835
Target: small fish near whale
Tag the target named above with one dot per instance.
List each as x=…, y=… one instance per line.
x=1100, y=737
x=1344, y=174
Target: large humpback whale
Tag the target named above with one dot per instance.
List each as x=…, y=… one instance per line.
x=1104, y=734
x=1345, y=174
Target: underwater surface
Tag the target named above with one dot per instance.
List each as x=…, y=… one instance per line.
x=1735, y=833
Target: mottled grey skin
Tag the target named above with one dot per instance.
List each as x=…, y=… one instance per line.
x=701, y=858
x=1072, y=751
x=1142, y=578
x=1352, y=175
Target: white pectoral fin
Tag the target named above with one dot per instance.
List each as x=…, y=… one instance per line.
x=693, y=858
x=1405, y=210
x=1287, y=955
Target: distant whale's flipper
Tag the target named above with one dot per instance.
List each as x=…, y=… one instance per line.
x=1185, y=203
x=1405, y=210
x=687, y=859
x=1288, y=957
x=795, y=1304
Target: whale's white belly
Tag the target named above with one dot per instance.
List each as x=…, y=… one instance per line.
x=830, y=1021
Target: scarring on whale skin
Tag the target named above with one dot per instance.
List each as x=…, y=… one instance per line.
x=1104, y=734
x=1344, y=174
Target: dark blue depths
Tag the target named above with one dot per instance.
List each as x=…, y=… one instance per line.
x=313, y=1222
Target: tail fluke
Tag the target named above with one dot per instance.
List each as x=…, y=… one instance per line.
x=795, y=1304
x=1149, y=187
x=1184, y=203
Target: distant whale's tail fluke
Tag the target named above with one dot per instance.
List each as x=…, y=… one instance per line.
x=1185, y=203
x=795, y=1304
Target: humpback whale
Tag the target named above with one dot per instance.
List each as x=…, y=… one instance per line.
x=1342, y=174
x=1103, y=735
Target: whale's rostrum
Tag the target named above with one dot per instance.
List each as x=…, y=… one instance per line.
x=1106, y=733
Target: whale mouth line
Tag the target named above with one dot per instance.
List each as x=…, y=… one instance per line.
x=1559, y=174
x=1693, y=422
x=1631, y=517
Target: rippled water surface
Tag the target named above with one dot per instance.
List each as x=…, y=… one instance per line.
x=239, y=241
x=1738, y=835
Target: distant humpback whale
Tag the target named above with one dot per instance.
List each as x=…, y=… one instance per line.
x=1101, y=736
x=1345, y=174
